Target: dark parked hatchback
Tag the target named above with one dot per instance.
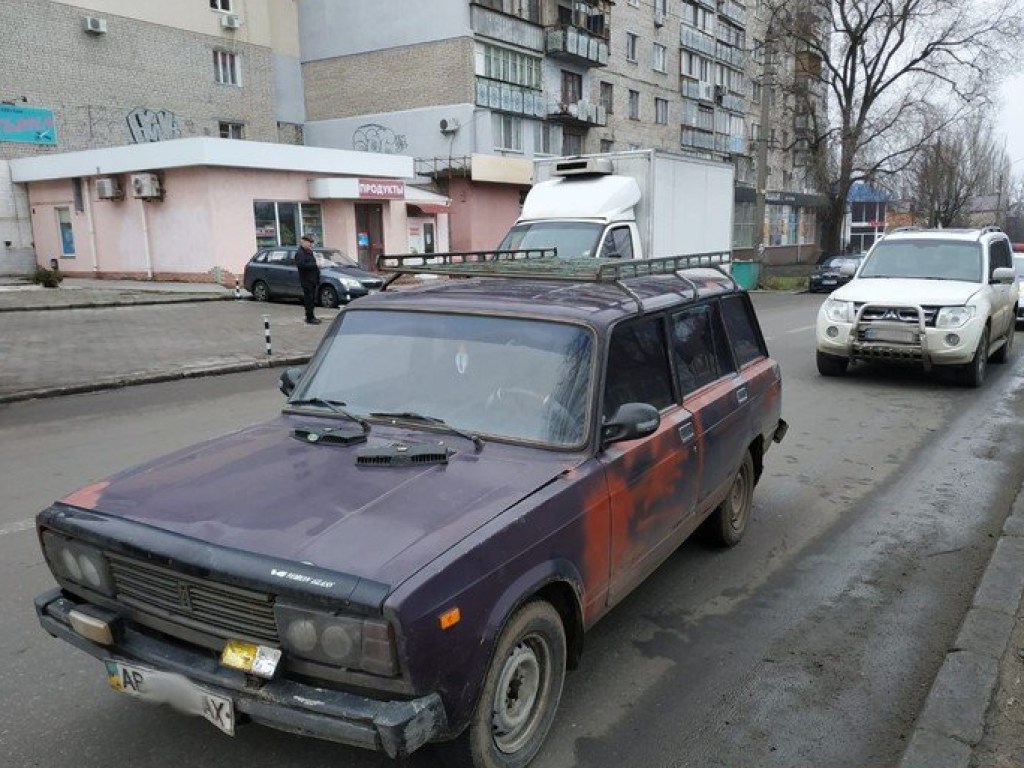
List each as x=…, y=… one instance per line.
x=828, y=275
x=413, y=551
x=271, y=274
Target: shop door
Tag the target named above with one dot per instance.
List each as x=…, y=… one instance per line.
x=428, y=237
x=369, y=233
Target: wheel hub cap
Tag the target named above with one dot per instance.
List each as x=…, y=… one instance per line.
x=515, y=697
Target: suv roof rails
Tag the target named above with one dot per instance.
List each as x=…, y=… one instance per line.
x=913, y=228
x=989, y=228
x=544, y=264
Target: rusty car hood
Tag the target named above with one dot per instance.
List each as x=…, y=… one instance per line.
x=264, y=491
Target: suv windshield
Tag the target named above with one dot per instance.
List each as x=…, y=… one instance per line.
x=925, y=259
x=573, y=239
x=503, y=377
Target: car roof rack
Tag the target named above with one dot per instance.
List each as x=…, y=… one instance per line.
x=544, y=264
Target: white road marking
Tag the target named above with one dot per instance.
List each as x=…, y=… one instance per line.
x=801, y=330
x=21, y=525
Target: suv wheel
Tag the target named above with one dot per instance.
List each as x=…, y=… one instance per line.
x=831, y=366
x=520, y=694
x=1003, y=353
x=973, y=374
x=728, y=522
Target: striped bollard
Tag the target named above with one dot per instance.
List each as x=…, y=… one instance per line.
x=266, y=331
x=238, y=291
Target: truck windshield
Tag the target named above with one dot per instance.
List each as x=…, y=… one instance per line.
x=523, y=380
x=925, y=259
x=573, y=239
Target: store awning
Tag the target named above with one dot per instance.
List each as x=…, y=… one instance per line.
x=427, y=202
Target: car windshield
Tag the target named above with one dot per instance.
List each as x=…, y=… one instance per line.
x=333, y=258
x=573, y=239
x=925, y=259
x=523, y=380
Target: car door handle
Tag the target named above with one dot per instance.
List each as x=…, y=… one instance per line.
x=741, y=395
x=686, y=432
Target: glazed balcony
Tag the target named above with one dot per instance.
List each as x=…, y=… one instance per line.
x=579, y=113
x=577, y=46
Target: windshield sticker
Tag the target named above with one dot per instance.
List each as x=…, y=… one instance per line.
x=302, y=578
x=462, y=360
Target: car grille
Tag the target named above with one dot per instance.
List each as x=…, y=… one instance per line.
x=198, y=604
x=876, y=313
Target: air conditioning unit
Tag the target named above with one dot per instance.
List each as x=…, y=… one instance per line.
x=448, y=124
x=146, y=185
x=95, y=25
x=231, y=21
x=109, y=188
x=659, y=18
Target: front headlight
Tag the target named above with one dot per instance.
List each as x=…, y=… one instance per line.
x=350, y=282
x=954, y=317
x=341, y=641
x=839, y=311
x=77, y=562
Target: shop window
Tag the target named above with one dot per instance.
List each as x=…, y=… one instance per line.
x=67, y=235
x=283, y=223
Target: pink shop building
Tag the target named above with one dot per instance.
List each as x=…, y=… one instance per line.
x=197, y=209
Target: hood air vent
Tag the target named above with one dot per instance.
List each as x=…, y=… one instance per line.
x=400, y=455
x=328, y=435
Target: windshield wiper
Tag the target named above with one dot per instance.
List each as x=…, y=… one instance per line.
x=335, y=406
x=432, y=421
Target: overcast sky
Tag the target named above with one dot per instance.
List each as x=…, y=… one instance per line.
x=1012, y=120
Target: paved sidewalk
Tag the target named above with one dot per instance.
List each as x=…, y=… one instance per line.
x=116, y=333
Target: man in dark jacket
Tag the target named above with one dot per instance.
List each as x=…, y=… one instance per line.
x=309, y=276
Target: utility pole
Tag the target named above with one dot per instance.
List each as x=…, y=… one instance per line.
x=762, y=143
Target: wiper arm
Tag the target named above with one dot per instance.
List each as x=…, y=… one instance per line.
x=431, y=420
x=335, y=406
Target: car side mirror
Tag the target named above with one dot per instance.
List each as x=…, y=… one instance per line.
x=848, y=270
x=630, y=422
x=1003, y=275
x=289, y=378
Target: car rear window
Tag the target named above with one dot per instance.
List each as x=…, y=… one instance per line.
x=742, y=330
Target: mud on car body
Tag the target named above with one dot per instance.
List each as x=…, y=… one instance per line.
x=412, y=552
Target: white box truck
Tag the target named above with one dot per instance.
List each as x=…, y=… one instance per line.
x=632, y=205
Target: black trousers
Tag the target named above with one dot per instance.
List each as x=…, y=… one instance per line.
x=309, y=298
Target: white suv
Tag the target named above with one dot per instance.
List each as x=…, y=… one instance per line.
x=926, y=296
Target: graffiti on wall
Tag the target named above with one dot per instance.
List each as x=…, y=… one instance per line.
x=152, y=125
x=373, y=137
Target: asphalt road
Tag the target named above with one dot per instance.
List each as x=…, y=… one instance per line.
x=812, y=643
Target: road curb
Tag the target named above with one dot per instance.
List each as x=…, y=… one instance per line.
x=154, y=378
x=952, y=722
x=120, y=302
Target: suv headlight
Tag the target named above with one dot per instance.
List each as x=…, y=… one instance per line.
x=77, y=562
x=341, y=641
x=839, y=311
x=350, y=282
x=954, y=317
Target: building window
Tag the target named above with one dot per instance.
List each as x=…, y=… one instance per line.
x=572, y=144
x=67, y=235
x=285, y=222
x=661, y=111
x=220, y=5
x=695, y=65
x=631, y=46
x=231, y=130
x=509, y=66
x=547, y=138
x=226, y=68
x=607, y=97
x=77, y=195
x=658, y=56
x=606, y=145
x=508, y=132
x=634, y=105
x=572, y=87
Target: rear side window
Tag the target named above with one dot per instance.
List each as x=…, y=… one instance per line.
x=699, y=348
x=279, y=257
x=742, y=329
x=638, y=369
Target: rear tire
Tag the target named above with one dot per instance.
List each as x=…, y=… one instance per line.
x=728, y=522
x=831, y=366
x=260, y=291
x=520, y=694
x=973, y=374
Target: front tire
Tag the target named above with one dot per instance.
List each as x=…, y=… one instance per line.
x=328, y=297
x=829, y=365
x=520, y=694
x=973, y=374
x=728, y=522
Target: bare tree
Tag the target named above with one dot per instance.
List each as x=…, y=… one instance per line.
x=885, y=65
x=966, y=163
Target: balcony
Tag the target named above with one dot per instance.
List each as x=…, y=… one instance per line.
x=506, y=28
x=580, y=113
x=733, y=103
x=734, y=13
x=697, y=89
x=695, y=40
x=576, y=45
x=506, y=97
x=692, y=139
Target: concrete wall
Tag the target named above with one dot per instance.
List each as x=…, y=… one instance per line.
x=481, y=213
x=333, y=28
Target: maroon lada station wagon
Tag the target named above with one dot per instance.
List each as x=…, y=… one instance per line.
x=467, y=476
